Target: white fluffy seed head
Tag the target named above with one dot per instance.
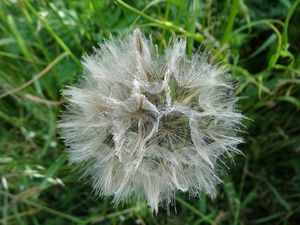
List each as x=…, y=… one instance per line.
x=147, y=125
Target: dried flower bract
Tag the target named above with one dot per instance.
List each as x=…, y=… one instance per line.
x=149, y=125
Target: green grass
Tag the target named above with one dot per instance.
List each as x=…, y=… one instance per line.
x=41, y=43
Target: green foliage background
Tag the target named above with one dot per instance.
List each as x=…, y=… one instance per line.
x=41, y=42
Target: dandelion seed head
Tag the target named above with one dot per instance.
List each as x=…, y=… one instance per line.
x=150, y=125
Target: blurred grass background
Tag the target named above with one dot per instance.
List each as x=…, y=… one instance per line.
x=41, y=42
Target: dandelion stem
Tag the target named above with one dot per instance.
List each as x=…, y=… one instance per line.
x=187, y=205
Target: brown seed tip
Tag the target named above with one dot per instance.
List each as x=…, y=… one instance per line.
x=138, y=40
